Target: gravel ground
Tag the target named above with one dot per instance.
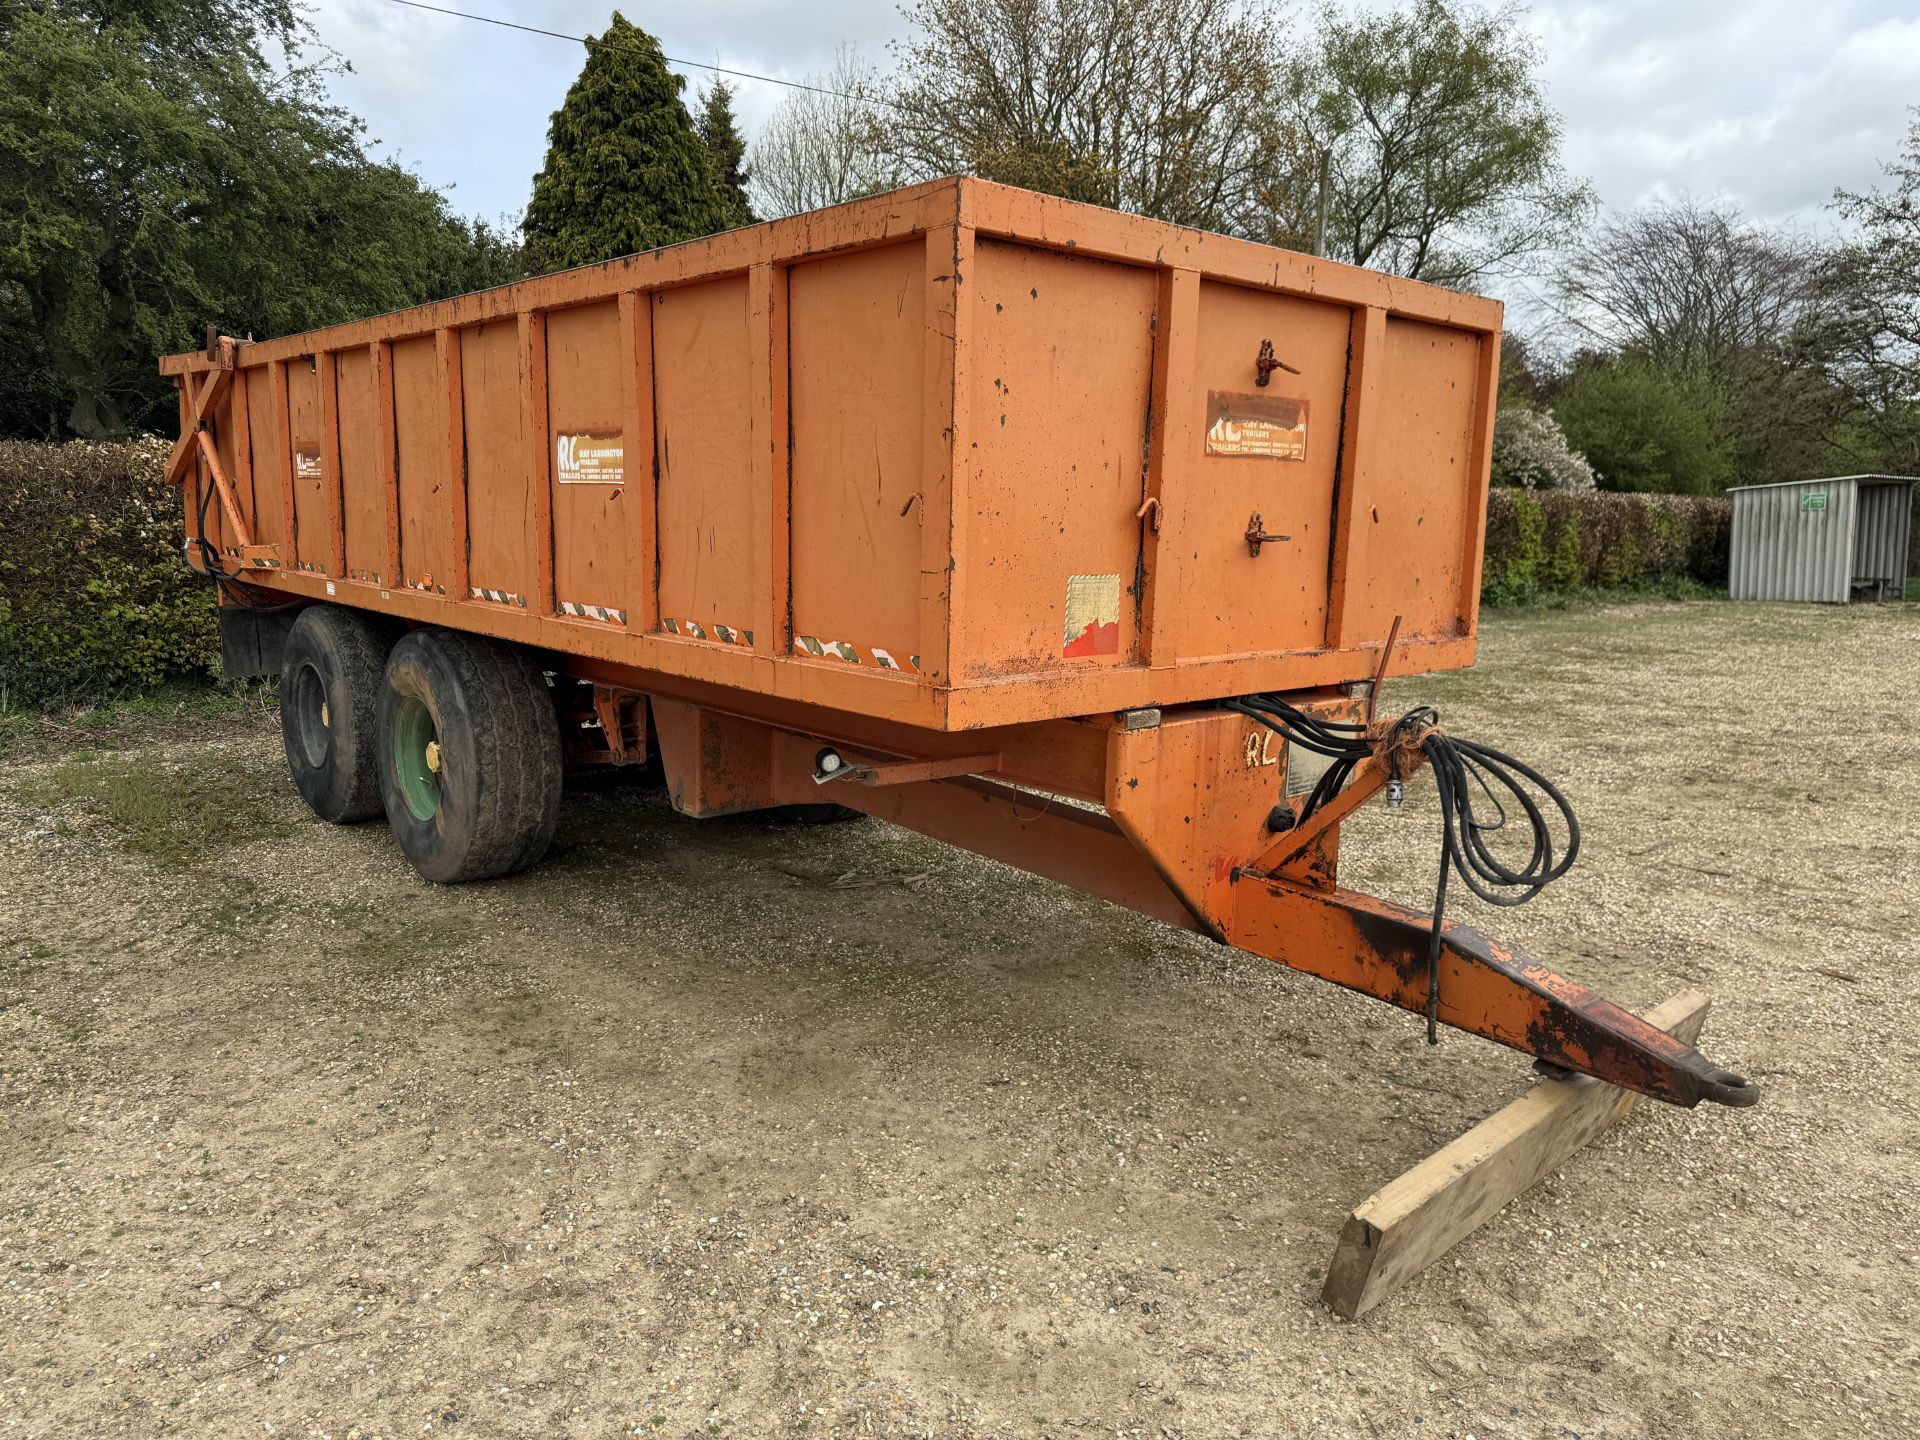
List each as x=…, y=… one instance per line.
x=676, y=1136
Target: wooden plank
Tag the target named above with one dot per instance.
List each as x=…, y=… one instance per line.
x=1399, y=1230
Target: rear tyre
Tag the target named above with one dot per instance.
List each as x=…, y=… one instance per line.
x=329, y=709
x=469, y=748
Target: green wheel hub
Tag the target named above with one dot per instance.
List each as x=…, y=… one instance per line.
x=416, y=758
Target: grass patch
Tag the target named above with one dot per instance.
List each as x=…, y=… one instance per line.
x=175, y=812
x=28, y=731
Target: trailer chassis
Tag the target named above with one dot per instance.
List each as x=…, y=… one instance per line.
x=1171, y=813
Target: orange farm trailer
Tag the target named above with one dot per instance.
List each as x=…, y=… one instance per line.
x=1070, y=537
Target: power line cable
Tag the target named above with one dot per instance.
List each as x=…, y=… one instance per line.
x=670, y=59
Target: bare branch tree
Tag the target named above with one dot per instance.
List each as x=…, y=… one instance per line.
x=1694, y=287
x=1161, y=107
x=1746, y=321
x=1874, y=287
x=820, y=149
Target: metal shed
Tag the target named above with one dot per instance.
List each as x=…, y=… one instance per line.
x=1826, y=540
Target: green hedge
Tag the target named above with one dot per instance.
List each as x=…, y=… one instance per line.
x=1557, y=542
x=95, y=597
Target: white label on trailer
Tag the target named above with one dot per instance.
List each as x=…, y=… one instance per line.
x=589, y=459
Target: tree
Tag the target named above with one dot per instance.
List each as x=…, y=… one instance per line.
x=624, y=170
x=821, y=146
x=1641, y=430
x=1527, y=373
x=1442, y=152
x=1530, y=451
x=1694, y=287
x=1161, y=107
x=157, y=174
x=1874, y=286
x=33, y=397
x=726, y=150
x=1886, y=262
x=1736, y=314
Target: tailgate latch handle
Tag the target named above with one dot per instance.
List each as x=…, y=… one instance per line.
x=1256, y=537
x=1266, y=362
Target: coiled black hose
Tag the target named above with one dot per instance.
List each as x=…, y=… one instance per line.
x=1467, y=776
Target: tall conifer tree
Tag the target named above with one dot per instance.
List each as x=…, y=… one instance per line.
x=719, y=131
x=624, y=170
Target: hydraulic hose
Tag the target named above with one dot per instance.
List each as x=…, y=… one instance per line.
x=1480, y=791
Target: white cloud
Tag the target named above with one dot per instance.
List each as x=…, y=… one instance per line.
x=1772, y=103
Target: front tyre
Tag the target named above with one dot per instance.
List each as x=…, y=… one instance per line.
x=470, y=763
x=330, y=683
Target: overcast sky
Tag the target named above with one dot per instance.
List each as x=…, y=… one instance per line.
x=1772, y=103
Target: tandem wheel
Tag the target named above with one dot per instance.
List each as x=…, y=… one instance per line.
x=330, y=681
x=469, y=756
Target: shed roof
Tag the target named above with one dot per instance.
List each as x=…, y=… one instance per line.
x=1831, y=480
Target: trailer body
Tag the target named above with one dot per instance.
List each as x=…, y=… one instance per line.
x=981, y=507
x=893, y=458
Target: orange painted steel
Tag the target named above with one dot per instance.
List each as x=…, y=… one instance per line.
x=962, y=479
x=890, y=458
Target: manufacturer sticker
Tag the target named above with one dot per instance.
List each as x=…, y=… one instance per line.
x=1093, y=616
x=306, y=464
x=589, y=459
x=1816, y=501
x=1260, y=427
